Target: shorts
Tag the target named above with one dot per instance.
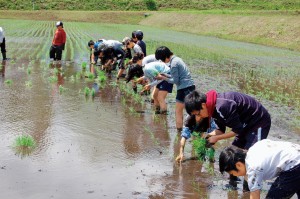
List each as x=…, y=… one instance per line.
x=165, y=86
x=184, y=92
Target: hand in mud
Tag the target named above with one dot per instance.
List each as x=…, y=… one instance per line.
x=179, y=158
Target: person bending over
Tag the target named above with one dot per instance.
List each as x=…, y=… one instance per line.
x=182, y=78
x=154, y=72
x=265, y=160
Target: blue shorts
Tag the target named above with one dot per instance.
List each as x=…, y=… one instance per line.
x=165, y=86
x=184, y=92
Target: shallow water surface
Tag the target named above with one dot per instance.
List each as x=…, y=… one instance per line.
x=109, y=146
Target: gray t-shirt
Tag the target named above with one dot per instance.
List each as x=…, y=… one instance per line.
x=180, y=73
x=266, y=159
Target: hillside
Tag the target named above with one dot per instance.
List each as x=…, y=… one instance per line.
x=149, y=4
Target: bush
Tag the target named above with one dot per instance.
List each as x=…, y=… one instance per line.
x=150, y=4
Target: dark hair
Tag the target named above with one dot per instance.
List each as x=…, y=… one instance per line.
x=134, y=70
x=162, y=53
x=139, y=34
x=200, y=127
x=133, y=34
x=193, y=101
x=137, y=57
x=229, y=157
x=91, y=42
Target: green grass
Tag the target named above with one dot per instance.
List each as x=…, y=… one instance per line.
x=150, y=4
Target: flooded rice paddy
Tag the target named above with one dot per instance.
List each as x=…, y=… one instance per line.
x=112, y=145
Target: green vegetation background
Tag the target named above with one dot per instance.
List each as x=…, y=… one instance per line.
x=149, y=4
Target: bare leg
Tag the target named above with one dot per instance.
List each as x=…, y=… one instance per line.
x=179, y=107
x=120, y=72
x=161, y=97
x=155, y=97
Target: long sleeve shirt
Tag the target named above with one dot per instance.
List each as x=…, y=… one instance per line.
x=59, y=37
x=241, y=112
x=180, y=73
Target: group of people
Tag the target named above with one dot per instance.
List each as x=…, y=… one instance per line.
x=250, y=154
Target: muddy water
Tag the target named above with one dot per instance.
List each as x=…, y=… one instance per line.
x=97, y=148
x=93, y=148
x=87, y=148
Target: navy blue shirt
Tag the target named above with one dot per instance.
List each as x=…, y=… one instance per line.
x=142, y=44
x=240, y=112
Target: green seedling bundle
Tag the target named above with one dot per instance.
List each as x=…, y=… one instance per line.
x=8, y=82
x=201, y=149
x=24, y=145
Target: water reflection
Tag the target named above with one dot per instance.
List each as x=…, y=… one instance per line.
x=2, y=68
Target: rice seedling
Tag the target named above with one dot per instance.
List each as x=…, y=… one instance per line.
x=149, y=131
x=28, y=84
x=24, y=145
x=199, y=145
x=87, y=91
x=78, y=76
x=89, y=75
x=29, y=70
x=113, y=84
x=72, y=79
x=52, y=79
x=83, y=65
x=131, y=109
x=55, y=71
x=61, y=89
x=24, y=141
x=93, y=92
x=123, y=101
x=101, y=76
x=8, y=82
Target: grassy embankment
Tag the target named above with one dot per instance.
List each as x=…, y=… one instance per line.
x=150, y=4
x=272, y=28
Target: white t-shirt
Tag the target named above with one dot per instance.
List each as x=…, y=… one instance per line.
x=266, y=159
x=148, y=59
x=1, y=35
